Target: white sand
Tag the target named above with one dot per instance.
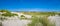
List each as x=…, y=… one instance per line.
x=55, y=19
x=15, y=21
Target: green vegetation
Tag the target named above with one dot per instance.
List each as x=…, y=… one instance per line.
x=0, y=24
x=40, y=21
x=41, y=18
x=6, y=13
x=41, y=13
x=9, y=14
x=38, y=18
x=23, y=17
x=59, y=14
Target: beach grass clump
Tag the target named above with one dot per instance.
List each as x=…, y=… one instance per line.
x=4, y=14
x=0, y=23
x=7, y=13
x=23, y=17
x=40, y=21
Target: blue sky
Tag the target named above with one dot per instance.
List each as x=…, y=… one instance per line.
x=30, y=5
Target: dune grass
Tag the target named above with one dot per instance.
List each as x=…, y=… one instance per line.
x=4, y=15
x=0, y=23
x=42, y=20
x=36, y=21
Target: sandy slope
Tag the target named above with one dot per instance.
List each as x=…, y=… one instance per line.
x=15, y=21
x=55, y=19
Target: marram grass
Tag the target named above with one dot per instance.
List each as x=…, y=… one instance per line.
x=40, y=21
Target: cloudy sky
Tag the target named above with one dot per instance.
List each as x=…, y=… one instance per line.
x=30, y=5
